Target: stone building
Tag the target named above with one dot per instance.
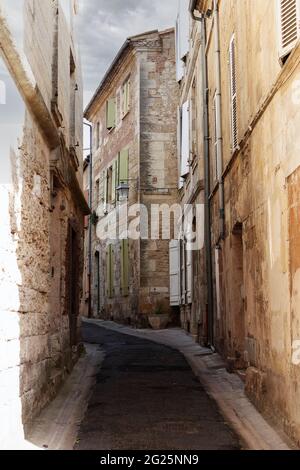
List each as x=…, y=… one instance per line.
x=133, y=113
x=42, y=206
x=252, y=67
x=188, y=281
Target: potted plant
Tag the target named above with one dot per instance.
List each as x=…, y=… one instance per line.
x=159, y=319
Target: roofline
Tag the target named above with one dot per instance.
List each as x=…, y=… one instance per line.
x=121, y=52
x=108, y=72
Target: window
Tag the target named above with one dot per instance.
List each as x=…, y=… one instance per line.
x=98, y=135
x=182, y=38
x=110, y=272
x=111, y=113
x=97, y=192
x=185, y=140
x=289, y=25
x=233, y=94
x=193, y=120
x=174, y=265
x=124, y=267
x=123, y=166
x=126, y=97
x=110, y=183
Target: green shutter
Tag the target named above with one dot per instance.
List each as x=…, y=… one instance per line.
x=114, y=181
x=123, y=166
x=110, y=271
x=105, y=190
x=108, y=276
x=124, y=267
x=111, y=113
x=127, y=95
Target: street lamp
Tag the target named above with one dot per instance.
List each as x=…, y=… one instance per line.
x=123, y=191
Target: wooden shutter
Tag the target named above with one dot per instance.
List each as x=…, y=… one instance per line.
x=112, y=271
x=233, y=94
x=114, y=181
x=185, y=140
x=189, y=276
x=109, y=271
x=174, y=255
x=108, y=276
x=183, y=272
x=105, y=187
x=111, y=113
x=289, y=25
x=125, y=267
x=123, y=166
x=126, y=97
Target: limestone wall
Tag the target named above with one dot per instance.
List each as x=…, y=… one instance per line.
x=39, y=204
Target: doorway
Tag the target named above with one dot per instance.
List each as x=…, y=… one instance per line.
x=73, y=291
x=237, y=310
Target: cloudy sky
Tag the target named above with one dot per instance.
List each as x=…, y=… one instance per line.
x=105, y=24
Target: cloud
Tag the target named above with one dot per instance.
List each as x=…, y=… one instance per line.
x=103, y=26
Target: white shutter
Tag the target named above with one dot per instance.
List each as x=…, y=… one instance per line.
x=189, y=276
x=182, y=36
x=179, y=62
x=289, y=25
x=233, y=94
x=184, y=27
x=174, y=248
x=185, y=140
x=183, y=272
x=179, y=132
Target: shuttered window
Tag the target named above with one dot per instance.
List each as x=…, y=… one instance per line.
x=126, y=98
x=125, y=267
x=111, y=113
x=185, y=140
x=189, y=275
x=114, y=180
x=233, y=93
x=109, y=272
x=289, y=25
x=123, y=166
x=105, y=186
x=174, y=255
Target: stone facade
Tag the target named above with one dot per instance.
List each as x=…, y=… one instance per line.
x=192, y=298
x=42, y=207
x=144, y=134
x=256, y=258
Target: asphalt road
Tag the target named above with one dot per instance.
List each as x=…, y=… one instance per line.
x=147, y=398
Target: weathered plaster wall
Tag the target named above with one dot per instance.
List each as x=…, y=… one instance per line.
x=258, y=321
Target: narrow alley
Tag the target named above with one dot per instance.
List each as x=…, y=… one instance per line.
x=147, y=397
x=149, y=226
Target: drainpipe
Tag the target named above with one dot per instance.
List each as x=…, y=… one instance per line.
x=90, y=267
x=210, y=305
x=219, y=122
